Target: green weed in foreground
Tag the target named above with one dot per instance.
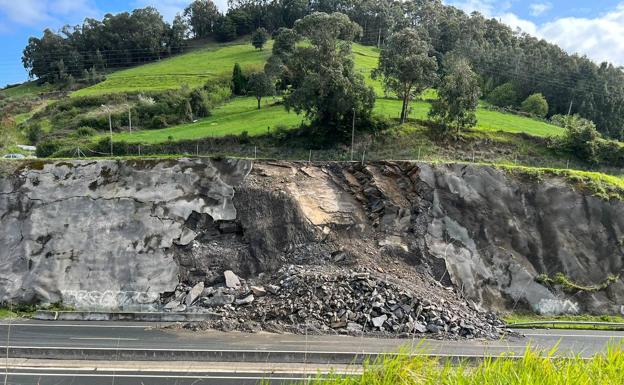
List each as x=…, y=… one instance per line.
x=533, y=368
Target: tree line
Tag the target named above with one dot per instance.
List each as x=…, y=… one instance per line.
x=500, y=56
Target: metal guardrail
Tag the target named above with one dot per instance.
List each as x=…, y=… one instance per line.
x=615, y=325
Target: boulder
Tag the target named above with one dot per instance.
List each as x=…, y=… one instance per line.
x=231, y=280
x=245, y=300
x=194, y=293
x=258, y=291
x=219, y=299
x=379, y=321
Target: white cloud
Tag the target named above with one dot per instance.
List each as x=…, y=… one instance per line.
x=599, y=38
x=538, y=9
x=37, y=12
x=169, y=8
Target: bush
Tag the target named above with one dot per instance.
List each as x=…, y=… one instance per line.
x=34, y=133
x=504, y=95
x=239, y=81
x=536, y=105
x=199, y=103
x=259, y=38
x=47, y=149
x=85, y=131
x=581, y=138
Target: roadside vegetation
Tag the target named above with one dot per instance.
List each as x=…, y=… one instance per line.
x=533, y=367
x=529, y=317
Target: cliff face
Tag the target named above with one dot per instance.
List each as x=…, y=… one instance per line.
x=117, y=234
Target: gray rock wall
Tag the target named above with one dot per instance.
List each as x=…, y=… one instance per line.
x=100, y=234
x=117, y=234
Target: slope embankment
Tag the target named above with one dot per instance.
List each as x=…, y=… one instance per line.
x=412, y=242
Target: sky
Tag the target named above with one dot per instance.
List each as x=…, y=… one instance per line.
x=593, y=28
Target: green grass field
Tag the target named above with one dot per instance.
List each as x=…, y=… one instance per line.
x=26, y=89
x=487, y=120
x=233, y=118
x=241, y=114
x=193, y=69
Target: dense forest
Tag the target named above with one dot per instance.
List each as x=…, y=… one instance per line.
x=510, y=65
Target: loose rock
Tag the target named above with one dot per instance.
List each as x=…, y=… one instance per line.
x=231, y=280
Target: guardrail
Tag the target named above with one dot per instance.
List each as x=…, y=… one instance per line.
x=614, y=325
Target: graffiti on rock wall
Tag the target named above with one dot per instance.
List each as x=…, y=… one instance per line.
x=109, y=299
x=556, y=307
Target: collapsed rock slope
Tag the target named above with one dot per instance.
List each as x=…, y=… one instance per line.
x=130, y=234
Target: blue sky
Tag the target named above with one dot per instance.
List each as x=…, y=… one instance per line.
x=594, y=28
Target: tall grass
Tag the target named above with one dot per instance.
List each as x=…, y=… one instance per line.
x=533, y=368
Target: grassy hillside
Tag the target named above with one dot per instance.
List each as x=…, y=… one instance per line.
x=241, y=114
x=238, y=116
x=193, y=69
x=487, y=120
x=26, y=89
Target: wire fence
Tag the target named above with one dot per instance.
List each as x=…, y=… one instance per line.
x=424, y=151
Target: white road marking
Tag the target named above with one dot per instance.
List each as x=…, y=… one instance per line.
x=104, y=339
x=162, y=376
x=83, y=326
x=618, y=336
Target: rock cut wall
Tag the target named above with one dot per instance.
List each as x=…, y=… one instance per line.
x=118, y=234
x=100, y=234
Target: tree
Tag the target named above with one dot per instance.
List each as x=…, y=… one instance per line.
x=34, y=133
x=581, y=137
x=239, y=81
x=188, y=111
x=536, y=104
x=260, y=85
x=458, y=97
x=504, y=95
x=259, y=38
x=203, y=16
x=199, y=103
x=225, y=29
x=178, y=34
x=325, y=85
x=406, y=67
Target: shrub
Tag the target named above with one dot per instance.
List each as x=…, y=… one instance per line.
x=47, y=149
x=239, y=81
x=259, y=38
x=504, y=95
x=199, y=103
x=536, y=105
x=85, y=131
x=34, y=133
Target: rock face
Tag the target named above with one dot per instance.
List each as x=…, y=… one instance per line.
x=126, y=234
x=101, y=234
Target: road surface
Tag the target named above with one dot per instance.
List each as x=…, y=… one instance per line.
x=227, y=358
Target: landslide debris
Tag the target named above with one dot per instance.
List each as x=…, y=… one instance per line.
x=326, y=300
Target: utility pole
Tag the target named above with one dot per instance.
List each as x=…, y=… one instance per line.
x=110, y=126
x=130, y=117
x=570, y=109
x=353, y=135
x=379, y=39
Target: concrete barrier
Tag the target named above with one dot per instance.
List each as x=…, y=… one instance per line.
x=248, y=356
x=46, y=315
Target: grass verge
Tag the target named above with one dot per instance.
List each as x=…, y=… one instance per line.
x=534, y=367
x=524, y=318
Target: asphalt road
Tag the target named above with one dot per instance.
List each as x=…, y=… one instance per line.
x=114, y=338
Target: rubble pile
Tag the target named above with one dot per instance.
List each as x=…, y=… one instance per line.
x=314, y=300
